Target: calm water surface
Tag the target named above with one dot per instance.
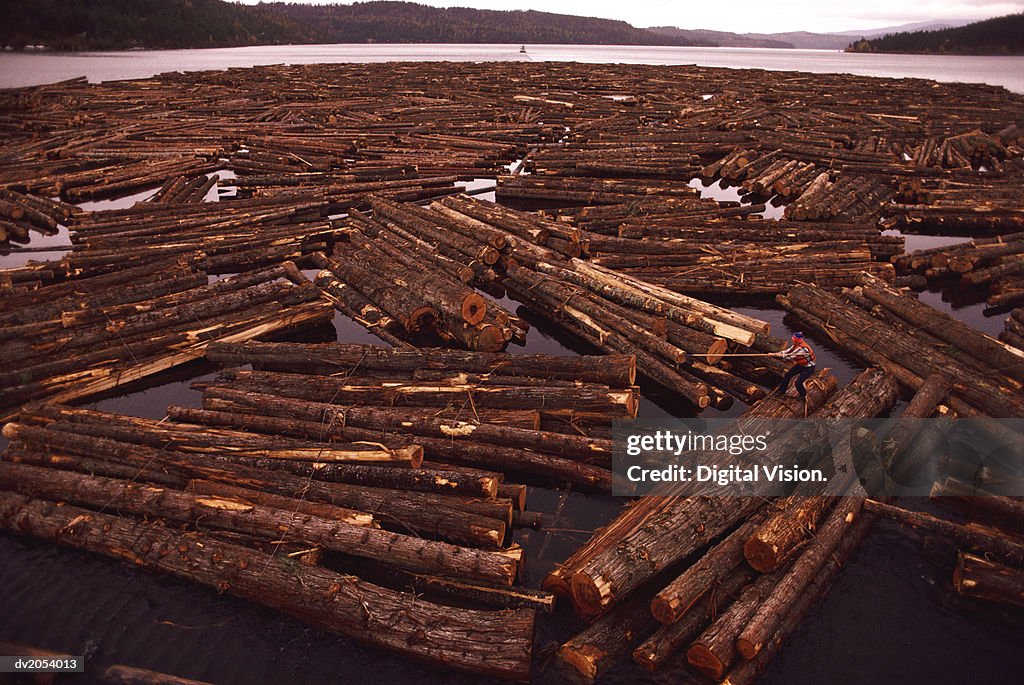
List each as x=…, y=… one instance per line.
x=27, y=69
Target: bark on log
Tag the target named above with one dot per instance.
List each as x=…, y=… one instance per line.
x=667, y=640
x=608, y=639
x=244, y=516
x=491, y=643
x=766, y=619
x=615, y=371
x=675, y=599
x=971, y=537
x=945, y=327
x=371, y=418
x=988, y=580
x=714, y=652
x=439, y=449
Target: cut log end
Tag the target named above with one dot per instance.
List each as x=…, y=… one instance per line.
x=747, y=648
x=665, y=611
x=555, y=582
x=474, y=309
x=590, y=595
x=716, y=350
x=490, y=339
x=583, y=658
x=421, y=319
x=705, y=661
x=761, y=556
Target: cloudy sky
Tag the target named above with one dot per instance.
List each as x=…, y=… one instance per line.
x=762, y=16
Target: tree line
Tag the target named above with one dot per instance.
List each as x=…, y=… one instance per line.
x=127, y=24
x=999, y=36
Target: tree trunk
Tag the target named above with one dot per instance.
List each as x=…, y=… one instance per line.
x=714, y=652
x=497, y=644
x=766, y=619
x=988, y=580
x=616, y=371
x=237, y=514
x=667, y=640
x=970, y=537
x=676, y=599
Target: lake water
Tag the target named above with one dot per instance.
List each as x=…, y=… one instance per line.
x=34, y=68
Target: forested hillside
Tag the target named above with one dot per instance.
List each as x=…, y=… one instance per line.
x=999, y=36
x=123, y=24
x=407, y=22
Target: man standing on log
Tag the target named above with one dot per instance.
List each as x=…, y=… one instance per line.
x=802, y=356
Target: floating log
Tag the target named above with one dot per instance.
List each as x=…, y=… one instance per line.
x=667, y=640
x=988, y=580
x=971, y=537
x=128, y=675
x=326, y=600
x=606, y=640
x=764, y=622
x=674, y=601
x=615, y=371
x=714, y=651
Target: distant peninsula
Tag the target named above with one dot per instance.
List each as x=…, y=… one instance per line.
x=999, y=36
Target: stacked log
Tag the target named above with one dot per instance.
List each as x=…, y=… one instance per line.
x=137, y=323
x=457, y=403
x=642, y=517
x=963, y=257
x=994, y=264
x=22, y=213
x=444, y=528
x=719, y=608
x=327, y=600
x=964, y=151
x=661, y=328
x=184, y=189
x=387, y=288
x=230, y=237
x=965, y=205
x=1013, y=329
x=583, y=190
x=980, y=384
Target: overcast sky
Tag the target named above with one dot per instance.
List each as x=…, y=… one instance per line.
x=761, y=16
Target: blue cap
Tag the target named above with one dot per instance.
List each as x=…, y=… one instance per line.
x=798, y=335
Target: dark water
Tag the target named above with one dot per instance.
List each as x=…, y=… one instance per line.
x=890, y=617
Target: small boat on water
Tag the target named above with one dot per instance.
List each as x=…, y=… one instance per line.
x=522, y=49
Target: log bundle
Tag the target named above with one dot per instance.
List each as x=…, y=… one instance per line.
x=970, y=206
x=228, y=237
x=994, y=264
x=678, y=340
x=264, y=500
x=724, y=609
x=884, y=326
x=541, y=416
x=24, y=213
x=1013, y=329
x=87, y=335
